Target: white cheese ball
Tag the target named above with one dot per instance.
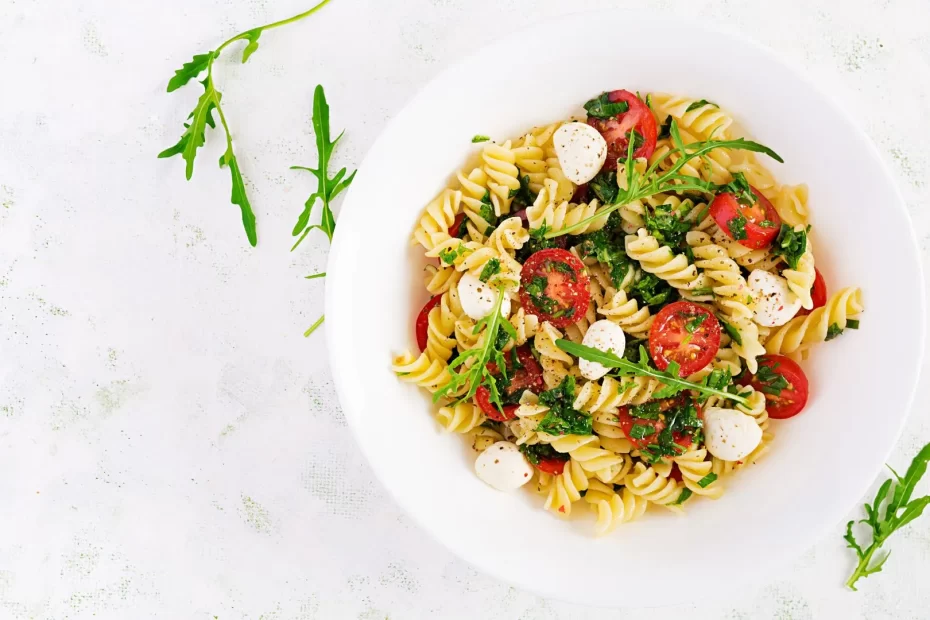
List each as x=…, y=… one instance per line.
x=581, y=150
x=773, y=303
x=604, y=336
x=729, y=434
x=503, y=467
x=478, y=298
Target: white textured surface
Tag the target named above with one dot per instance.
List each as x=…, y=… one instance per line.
x=169, y=444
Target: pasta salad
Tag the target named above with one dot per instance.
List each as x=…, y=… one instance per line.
x=619, y=305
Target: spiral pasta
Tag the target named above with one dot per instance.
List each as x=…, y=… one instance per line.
x=661, y=261
x=704, y=120
x=696, y=475
x=802, y=332
x=613, y=508
x=801, y=280
x=426, y=373
x=565, y=489
x=790, y=201
x=459, y=418
x=557, y=216
x=500, y=166
x=646, y=483
x=626, y=313
x=586, y=451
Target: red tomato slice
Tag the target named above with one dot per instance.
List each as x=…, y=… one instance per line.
x=679, y=334
x=818, y=294
x=551, y=466
x=554, y=287
x=784, y=384
x=676, y=473
x=760, y=222
x=483, y=398
x=458, y=226
x=627, y=421
x=422, y=323
x=616, y=131
x=529, y=377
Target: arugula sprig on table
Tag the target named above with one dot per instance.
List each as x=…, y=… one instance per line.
x=210, y=101
x=640, y=186
x=899, y=511
x=498, y=331
x=672, y=383
x=327, y=187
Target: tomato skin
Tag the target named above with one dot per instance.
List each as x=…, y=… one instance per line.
x=483, y=398
x=422, y=323
x=551, y=466
x=725, y=208
x=627, y=421
x=614, y=130
x=457, y=225
x=791, y=401
x=669, y=339
x=676, y=472
x=570, y=292
x=818, y=294
x=530, y=377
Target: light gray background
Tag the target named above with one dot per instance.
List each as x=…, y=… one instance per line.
x=170, y=445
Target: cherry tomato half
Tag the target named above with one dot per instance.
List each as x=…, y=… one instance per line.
x=784, y=384
x=422, y=324
x=551, y=466
x=627, y=421
x=554, y=287
x=483, y=398
x=685, y=333
x=617, y=130
x=818, y=294
x=754, y=226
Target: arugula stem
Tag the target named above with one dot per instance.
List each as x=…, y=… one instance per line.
x=322, y=274
x=313, y=327
x=862, y=568
x=290, y=20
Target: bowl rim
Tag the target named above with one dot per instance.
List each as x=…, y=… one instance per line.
x=818, y=527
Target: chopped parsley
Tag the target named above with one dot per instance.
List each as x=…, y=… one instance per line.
x=491, y=268
x=693, y=325
x=718, y=379
x=651, y=290
x=608, y=249
x=833, y=331
x=602, y=107
x=604, y=185
x=536, y=243
x=562, y=418
x=648, y=411
x=771, y=382
x=665, y=130
x=449, y=255
x=737, y=227
x=680, y=420
x=641, y=431
x=707, y=480
x=852, y=323
x=666, y=223
x=791, y=244
x=701, y=292
x=479, y=138
x=541, y=451
x=523, y=196
x=487, y=212
x=700, y=104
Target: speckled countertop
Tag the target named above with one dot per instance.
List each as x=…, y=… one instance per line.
x=170, y=446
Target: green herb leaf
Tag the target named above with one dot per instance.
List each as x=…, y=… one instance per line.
x=238, y=196
x=899, y=512
x=737, y=227
x=852, y=323
x=792, y=244
x=693, y=325
x=562, y=417
x=491, y=268
x=190, y=70
x=707, y=480
x=523, y=196
x=685, y=494
x=537, y=452
x=641, y=431
x=194, y=130
x=732, y=332
x=252, y=37
x=833, y=331
x=604, y=185
x=479, y=138
x=641, y=369
x=602, y=107
x=327, y=187
x=700, y=104
x=652, y=290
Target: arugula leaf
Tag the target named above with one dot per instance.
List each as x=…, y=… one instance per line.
x=643, y=369
x=700, y=104
x=327, y=187
x=791, y=243
x=602, y=107
x=900, y=511
x=194, y=135
x=640, y=186
x=479, y=138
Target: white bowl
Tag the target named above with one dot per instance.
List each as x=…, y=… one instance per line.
x=822, y=461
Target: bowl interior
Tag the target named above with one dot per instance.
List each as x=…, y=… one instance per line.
x=770, y=511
